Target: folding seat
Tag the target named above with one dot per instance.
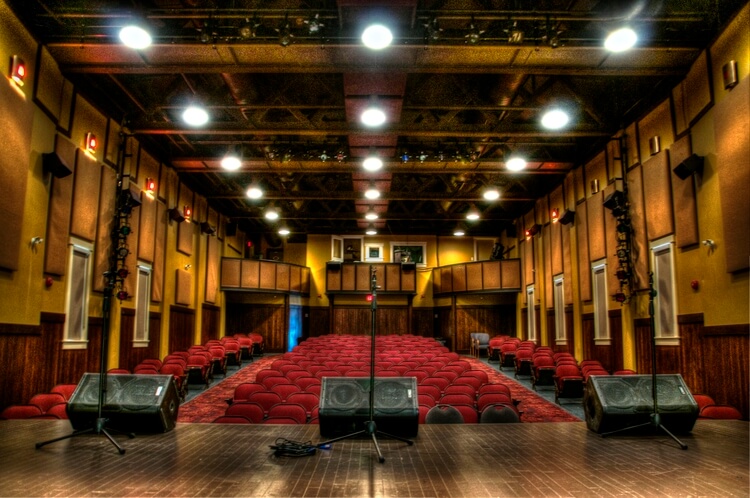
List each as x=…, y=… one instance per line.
x=277, y=364
x=314, y=369
x=566, y=361
x=218, y=360
x=309, y=401
x=568, y=382
x=284, y=390
x=314, y=389
x=59, y=411
x=145, y=370
x=457, y=399
x=157, y=363
x=587, y=373
x=212, y=342
x=20, y=411
x=411, y=364
x=499, y=414
x=267, y=372
x=258, y=343
x=293, y=375
x=357, y=373
x=461, y=389
x=116, y=371
x=586, y=363
x=327, y=373
x=426, y=399
x=438, y=382
x=232, y=352
x=479, y=374
x=360, y=364
x=243, y=391
x=558, y=356
x=332, y=364
x=272, y=380
x=723, y=412
x=387, y=373
x=66, y=390
x=231, y=419
x=444, y=414
x=527, y=344
x=625, y=371
x=429, y=369
x=487, y=399
x=178, y=376
x=182, y=354
x=265, y=399
x=251, y=410
x=545, y=349
x=342, y=369
x=468, y=413
x=292, y=410
x=543, y=371
x=173, y=358
x=419, y=359
x=196, y=348
x=198, y=370
x=449, y=375
x=493, y=349
x=508, y=354
x=246, y=347
x=703, y=400
x=469, y=380
x=523, y=362
x=401, y=369
x=433, y=391
x=494, y=388
x=46, y=401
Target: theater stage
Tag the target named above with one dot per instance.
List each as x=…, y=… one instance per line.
x=555, y=459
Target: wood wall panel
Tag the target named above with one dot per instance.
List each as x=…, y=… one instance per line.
x=657, y=196
x=392, y=277
x=364, y=277
x=510, y=274
x=565, y=234
x=185, y=232
x=528, y=262
x=684, y=205
x=732, y=122
x=446, y=279
x=638, y=241
x=595, y=224
x=458, y=274
x=587, y=335
x=409, y=280
x=352, y=320
x=333, y=279
x=181, y=328
x=474, y=276
x=230, y=272
x=160, y=247
x=422, y=322
x=658, y=122
x=697, y=88
x=584, y=261
x=491, y=275
x=103, y=247
x=183, y=293
x=295, y=278
x=267, y=275
x=391, y=320
x=547, y=255
x=282, y=277
x=348, y=278
x=86, y=183
x=210, y=322
x=147, y=233
x=437, y=282
x=58, y=219
x=556, y=202
x=212, y=269
x=320, y=321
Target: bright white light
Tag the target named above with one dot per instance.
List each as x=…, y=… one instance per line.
x=135, y=37
x=371, y=231
x=371, y=215
x=620, y=40
x=254, y=193
x=283, y=231
x=372, y=193
x=492, y=195
x=459, y=233
x=372, y=116
x=231, y=163
x=272, y=215
x=515, y=163
x=377, y=37
x=555, y=119
x=195, y=116
x=472, y=216
x=372, y=163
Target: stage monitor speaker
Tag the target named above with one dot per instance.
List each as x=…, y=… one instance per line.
x=345, y=405
x=132, y=403
x=691, y=165
x=613, y=402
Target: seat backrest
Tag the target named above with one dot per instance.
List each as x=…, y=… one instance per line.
x=20, y=411
x=494, y=388
x=499, y=414
x=266, y=399
x=172, y=369
x=487, y=399
x=468, y=413
x=456, y=399
x=253, y=411
x=568, y=371
x=46, y=401
x=284, y=390
x=444, y=414
x=244, y=390
x=231, y=419
x=309, y=400
x=483, y=339
x=544, y=361
x=292, y=410
x=724, y=412
x=67, y=390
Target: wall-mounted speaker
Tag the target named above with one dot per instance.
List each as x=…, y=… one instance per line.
x=689, y=167
x=511, y=231
x=345, y=405
x=231, y=229
x=132, y=403
x=408, y=266
x=333, y=265
x=53, y=163
x=614, y=402
x=568, y=216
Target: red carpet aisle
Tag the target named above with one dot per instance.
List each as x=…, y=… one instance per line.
x=206, y=406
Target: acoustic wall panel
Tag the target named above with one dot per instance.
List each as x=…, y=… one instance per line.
x=267, y=275
x=58, y=220
x=282, y=277
x=683, y=197
x=584, y=261
x=212, y=269
x=565, y=235
x=556, y=202
x=147, y=233
x=183, y=287
x=85, y=197
x=732, y=122
x=638, y=241
x=511, y=273
x=491, y=275
x=105, y=221
x=595, y=212
x=458, y=273
x=474, y=277
x=250, y=274
x=230, y=272
x=658, y=123
x=657, y=193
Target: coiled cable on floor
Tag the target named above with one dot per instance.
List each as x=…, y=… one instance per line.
x=286, y=447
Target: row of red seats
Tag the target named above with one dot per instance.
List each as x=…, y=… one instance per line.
x=50, y=405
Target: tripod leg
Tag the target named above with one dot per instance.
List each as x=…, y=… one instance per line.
x=120, y=449
x=682, y=445
x=341, y=438
x=75, y=433
x=605, y=434
x=381, y=458
x=398, y=438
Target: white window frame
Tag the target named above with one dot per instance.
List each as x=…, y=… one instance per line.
x=337, y=248
x=78, y=339
x=142, y=302
x=423, y=245
x=531, y=313
x=601, y=314
x=370, y=246
x=559, y=299
x=661, y=252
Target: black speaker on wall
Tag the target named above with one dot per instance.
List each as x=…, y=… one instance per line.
x=333, y=265
x=132, y=403
x=613, y=402
x=231, y=229
x=345, y=405
x=688, y=167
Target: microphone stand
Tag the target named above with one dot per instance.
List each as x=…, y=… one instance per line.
x=655, y=417
x=371, y=428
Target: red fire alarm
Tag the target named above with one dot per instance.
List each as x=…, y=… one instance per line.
x=695, y=284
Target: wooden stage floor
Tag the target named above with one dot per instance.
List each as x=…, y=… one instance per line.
x=539, y=460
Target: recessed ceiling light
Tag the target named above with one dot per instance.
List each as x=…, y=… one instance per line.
x=491, y=194
x=372, y=163
x=459, y=232
x=373, y=116
x=515, y=163
x=620, y=40
x=371, y=230
x=254, y=193
x=371, y=215
x=231, y=162
x=195, y=116
x=472, y=215
x=372, y=193
x=272, y=214
x=377, y=37
x=555, y=119
x=135, y=37
x=283, y=231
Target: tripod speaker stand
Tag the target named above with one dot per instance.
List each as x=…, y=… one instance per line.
x=655, y=417
x=370, y=427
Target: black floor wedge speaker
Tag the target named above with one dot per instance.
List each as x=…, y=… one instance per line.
x=132, y=403
x=345, y=405
x=620, y=401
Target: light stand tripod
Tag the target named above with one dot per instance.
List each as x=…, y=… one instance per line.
x=655, y=417
x=371, y=428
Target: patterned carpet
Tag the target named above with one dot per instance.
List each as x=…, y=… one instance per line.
x=205, y=407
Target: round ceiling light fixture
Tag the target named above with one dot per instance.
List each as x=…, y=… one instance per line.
x=272, y=214
x=377, y=37
x=491, y=194
x=515, y=163
x=372, y=193
x=371, y=230
x=135, y=37
x=195, y=116
x=372, y=163
x=254, y=192
x=231, y=162
x=372, y=117
x=555, y=119
x=621, y=40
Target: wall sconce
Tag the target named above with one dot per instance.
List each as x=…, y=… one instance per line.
x=568, y=217
x=150, y=187
x=90, y=142
x=554, y=215
x=532, y=230
x=17, y=70
x=176, y=215
x=688, y=167
x=729, y=74
x=187, y=212
x=654, y=145
x=594, y=186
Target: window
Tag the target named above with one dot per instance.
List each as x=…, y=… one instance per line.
x=665, y=311
x=531, y=313
x=558, y=294
x=77, y=295
x=337, y=248
x=409, y=252
x=142, y=301
x=601, y=319
x=373, y=252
